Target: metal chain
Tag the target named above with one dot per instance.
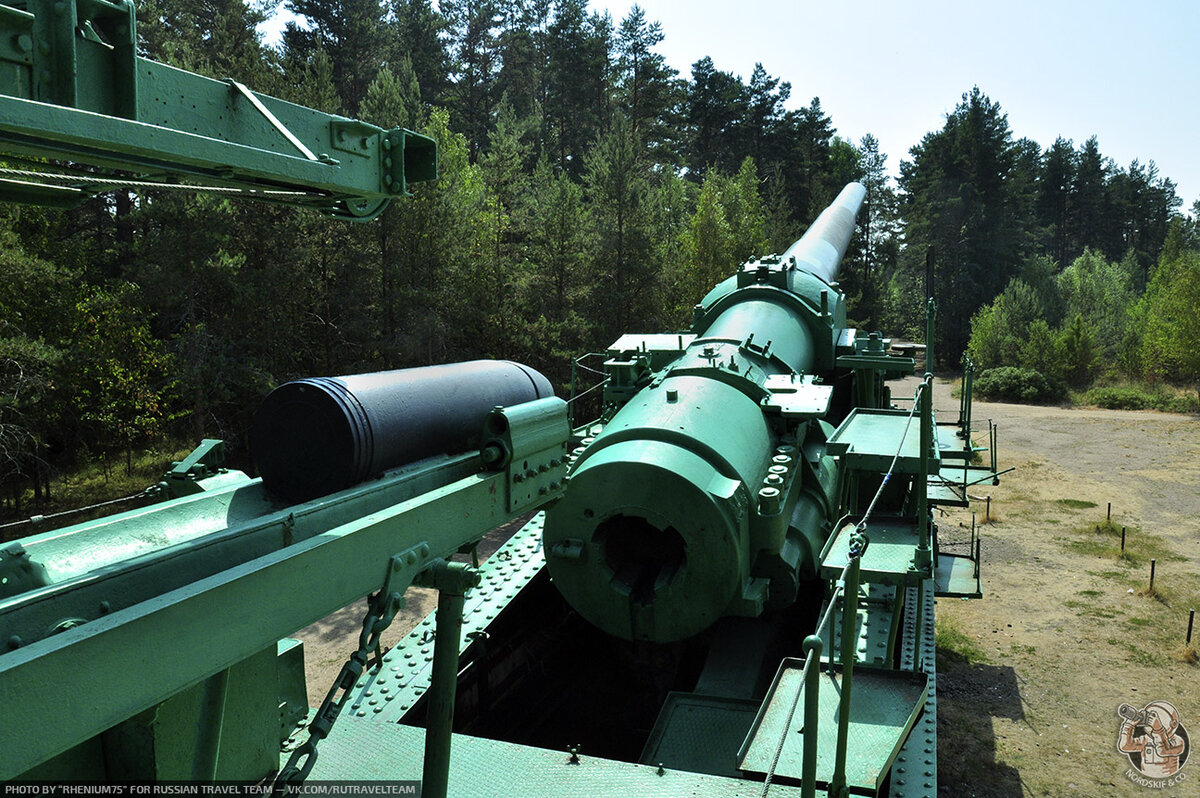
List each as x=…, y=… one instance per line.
x=382, y=607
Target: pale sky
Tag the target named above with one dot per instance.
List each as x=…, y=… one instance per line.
x=1125, y=72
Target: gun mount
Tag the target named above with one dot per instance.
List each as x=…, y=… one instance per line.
x=743, y=553
x=710, y=492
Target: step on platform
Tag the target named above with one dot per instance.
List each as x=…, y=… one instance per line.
x=883, y=707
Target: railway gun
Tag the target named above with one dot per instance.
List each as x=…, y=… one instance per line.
x=722, y=586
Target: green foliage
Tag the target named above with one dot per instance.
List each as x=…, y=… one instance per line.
x=119, y=371
x=1011, y=384
x=1101, y=293
x=1078, y=352
x=1141, y=397
x=1044, y=351
x=962, y=200
x=617, y=185
x=1000, y=331
x=1171, y=318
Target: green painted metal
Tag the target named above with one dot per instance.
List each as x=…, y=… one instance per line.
x=100, y=567
x=837, y=785
x=692, y=503
x=885, y=706
x=387, y=693
x=868, y=439
x=930, y=320
x=812, y=713
x=941, y=492
x=661, y=472
x=957, y=576
x=914, y=773
x=200, y=470
x=889, y=558
x=74, y=88
x=878, y=613
x=361, y=749
x=698, y=733
x=141, y=654
x=924, y=554
x=872, y=365
x=451, y=580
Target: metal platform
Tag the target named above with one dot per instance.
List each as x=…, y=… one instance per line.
x=884, y=705
x=889, y=555
x=957, y=576
x=389, y=692
x=946, y=493
x=700, y=733
x=363, y=749
x=868, y=439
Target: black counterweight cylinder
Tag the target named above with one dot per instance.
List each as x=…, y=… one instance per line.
x=315, y=436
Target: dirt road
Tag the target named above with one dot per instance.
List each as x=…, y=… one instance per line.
x=1063, y=635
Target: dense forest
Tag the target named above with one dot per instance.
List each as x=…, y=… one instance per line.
x=587, y=189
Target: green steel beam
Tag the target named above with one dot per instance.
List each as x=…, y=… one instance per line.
x=72, y=87
x=140, y=656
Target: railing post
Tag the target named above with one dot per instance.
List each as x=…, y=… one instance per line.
x=813, y=645
x=837, y=786
x=930, y=315
x=452, y=580
x=923, y=556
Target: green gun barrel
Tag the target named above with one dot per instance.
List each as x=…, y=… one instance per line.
x=701, y=497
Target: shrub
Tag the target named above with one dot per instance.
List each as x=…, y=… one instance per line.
x=1012, y=384
x=1118, y=398
x=1130, y=397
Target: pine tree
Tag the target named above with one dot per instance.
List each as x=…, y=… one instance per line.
x=1054, y=190
x=624, y=275
x=646, y=86
x=350, y=33
x=959, y=201
x=419, y=28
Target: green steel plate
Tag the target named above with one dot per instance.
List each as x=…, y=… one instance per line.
x=874, y=626
x=868, y=439
x=945, y=493
x=700, y=733
x=883, y=707
x=358, y=748
x=954, y=449
x=888, y=557
x=914, y=773
x=956, y=577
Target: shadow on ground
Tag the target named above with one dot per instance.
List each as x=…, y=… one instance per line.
x=970, y=697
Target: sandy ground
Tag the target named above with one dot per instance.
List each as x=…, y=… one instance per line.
x=1058, y=642
x=1062, y=635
